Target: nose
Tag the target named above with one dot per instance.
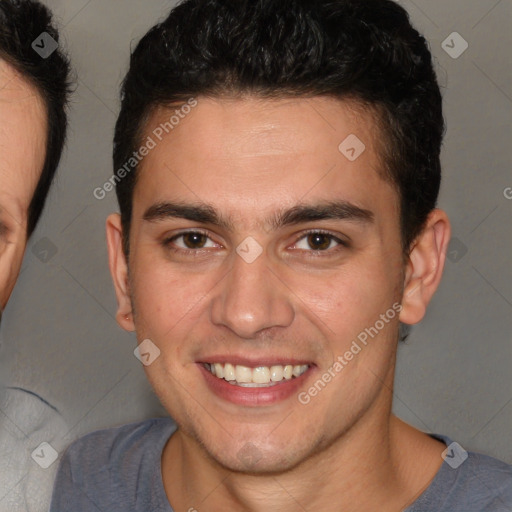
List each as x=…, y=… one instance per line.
x=251, y=299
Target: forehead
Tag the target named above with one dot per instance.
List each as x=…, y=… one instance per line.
x=22, y=140
x=258, y=126
x=254, y=154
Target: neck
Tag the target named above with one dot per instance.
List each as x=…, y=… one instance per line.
x=379, y=464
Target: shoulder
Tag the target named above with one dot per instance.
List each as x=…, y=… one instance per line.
x=112, y=468
x=488, y=479
x=118, y=448
x=31, y=414
x=25, y=481
x=467, y=482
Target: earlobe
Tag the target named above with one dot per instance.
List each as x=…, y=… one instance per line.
x=119, y=271
x=425, y=267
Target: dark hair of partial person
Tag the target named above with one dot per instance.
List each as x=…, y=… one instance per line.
x=365, y=51
x=21, y=22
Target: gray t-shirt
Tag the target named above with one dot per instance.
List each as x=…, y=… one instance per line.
x=118, y=470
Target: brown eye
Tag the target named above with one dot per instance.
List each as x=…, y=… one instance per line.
x=190, y=241
x=319, y=241
x=194, y=240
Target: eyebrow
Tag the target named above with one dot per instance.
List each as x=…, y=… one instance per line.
x=298, y=214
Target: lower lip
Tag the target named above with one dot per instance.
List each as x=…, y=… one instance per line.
x=253, y=396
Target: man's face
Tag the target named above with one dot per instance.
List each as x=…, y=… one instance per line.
x=22, y=146
x=203, y=293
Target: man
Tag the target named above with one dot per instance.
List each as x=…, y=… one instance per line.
x=277, y=169
x=33, y=94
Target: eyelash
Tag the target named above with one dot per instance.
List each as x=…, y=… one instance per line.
x=167, y=243
x=327, y=252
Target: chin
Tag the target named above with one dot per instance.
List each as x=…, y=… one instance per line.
x=251, y=458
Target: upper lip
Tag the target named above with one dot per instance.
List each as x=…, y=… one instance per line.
x=253, y=362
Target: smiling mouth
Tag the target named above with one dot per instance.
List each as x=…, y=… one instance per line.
x=260, y=376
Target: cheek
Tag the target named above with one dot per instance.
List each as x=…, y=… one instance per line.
x=166, y=299
x=345, y=300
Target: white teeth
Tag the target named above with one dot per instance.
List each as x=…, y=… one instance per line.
x=243, y=374
x=297, y=370
x=255, y=385
x=219, y=370
x=276, y=373
x=261, y=376
x=229, y=371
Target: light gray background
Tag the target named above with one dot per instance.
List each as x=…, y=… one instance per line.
x=454, y=375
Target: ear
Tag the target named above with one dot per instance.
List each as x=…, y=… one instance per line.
x=119, y=271
x=425, y=266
